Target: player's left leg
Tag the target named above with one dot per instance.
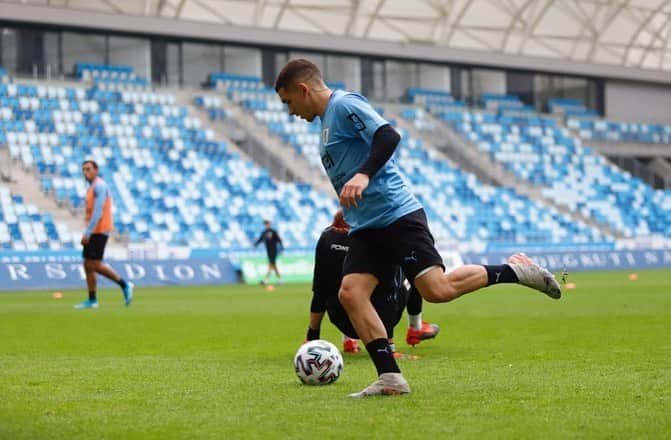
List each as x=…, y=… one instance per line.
x=97, y=243
x=277, y=273
x=423, y=265
x=109, y=273
x=267, y=277
x=435, y=286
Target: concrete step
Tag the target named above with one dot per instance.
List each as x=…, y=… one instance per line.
x=25, y=182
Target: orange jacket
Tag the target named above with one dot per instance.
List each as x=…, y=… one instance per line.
x=105, y=223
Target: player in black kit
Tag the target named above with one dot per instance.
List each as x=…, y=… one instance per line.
x=271, y=239
x=389, y=298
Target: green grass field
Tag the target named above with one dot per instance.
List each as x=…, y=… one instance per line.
x=216, y=362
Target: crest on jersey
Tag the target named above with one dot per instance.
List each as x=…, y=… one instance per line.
x=325, y=136
x=356, y=120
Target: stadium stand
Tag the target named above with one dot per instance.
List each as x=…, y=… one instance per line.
x=537, y=149
x=174, y=183
x=171, y=181
x=603, y=130
x=458, y=205
x=589, y=126
x=466, y=209
x=214, y=107
x=24, y=228
x=268, y=110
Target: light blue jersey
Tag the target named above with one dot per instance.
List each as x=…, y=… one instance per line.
x=348, y=126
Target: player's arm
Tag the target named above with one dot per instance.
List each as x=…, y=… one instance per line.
x=378, y=133
x=99, y=195
x=384, y=144
x=279, y=241
x=256, y=243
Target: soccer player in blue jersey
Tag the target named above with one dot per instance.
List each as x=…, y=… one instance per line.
x=390, y=297
x=388, y=224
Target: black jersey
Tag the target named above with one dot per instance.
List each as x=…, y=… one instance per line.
x=388, y=298
x=271, y=239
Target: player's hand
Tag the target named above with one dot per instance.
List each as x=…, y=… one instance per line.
x=85, y=240
x=353, y=190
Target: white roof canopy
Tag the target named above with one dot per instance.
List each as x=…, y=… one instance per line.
x=628, y=33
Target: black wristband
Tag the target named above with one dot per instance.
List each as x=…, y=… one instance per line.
x=312, y=334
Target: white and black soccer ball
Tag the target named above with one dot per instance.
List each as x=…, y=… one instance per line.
x=318, y=362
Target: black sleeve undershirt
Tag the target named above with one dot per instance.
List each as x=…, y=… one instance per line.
x=385, y=141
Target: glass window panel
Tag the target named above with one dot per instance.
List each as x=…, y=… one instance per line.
x=172, y=63
x=434, y=77
x=133, y=52
x=9, y=50
x=344, y=70
x=51, y=55
x=242, y=61
x=199, y=60
x=400, y=77
x=82, y=48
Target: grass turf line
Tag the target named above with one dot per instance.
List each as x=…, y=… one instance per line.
x=216, y=362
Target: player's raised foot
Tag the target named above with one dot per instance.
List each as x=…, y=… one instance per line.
x=87, y=304
x=532, y=275
x=428, y=331
x=387, y=384
x=128, y=293
x=350, y=346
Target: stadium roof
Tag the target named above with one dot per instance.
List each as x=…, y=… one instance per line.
x=629, y=33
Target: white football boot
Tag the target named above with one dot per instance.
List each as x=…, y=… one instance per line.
x=532, y=275
x=388, y=384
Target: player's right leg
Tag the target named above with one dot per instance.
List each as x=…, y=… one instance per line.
x=354, y=295
x=91, y=282
x=387, y=384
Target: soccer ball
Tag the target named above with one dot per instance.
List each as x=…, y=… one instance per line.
x=318, y=362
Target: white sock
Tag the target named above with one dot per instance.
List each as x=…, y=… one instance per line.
x=415, y=321
x=393, y=347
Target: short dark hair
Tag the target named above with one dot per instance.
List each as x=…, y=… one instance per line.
x=92, y=162
x=294, y=71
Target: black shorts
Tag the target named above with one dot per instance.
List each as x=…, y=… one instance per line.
x=406, y=242
x=390, y=311
x=96, y=247
x=272, y=257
